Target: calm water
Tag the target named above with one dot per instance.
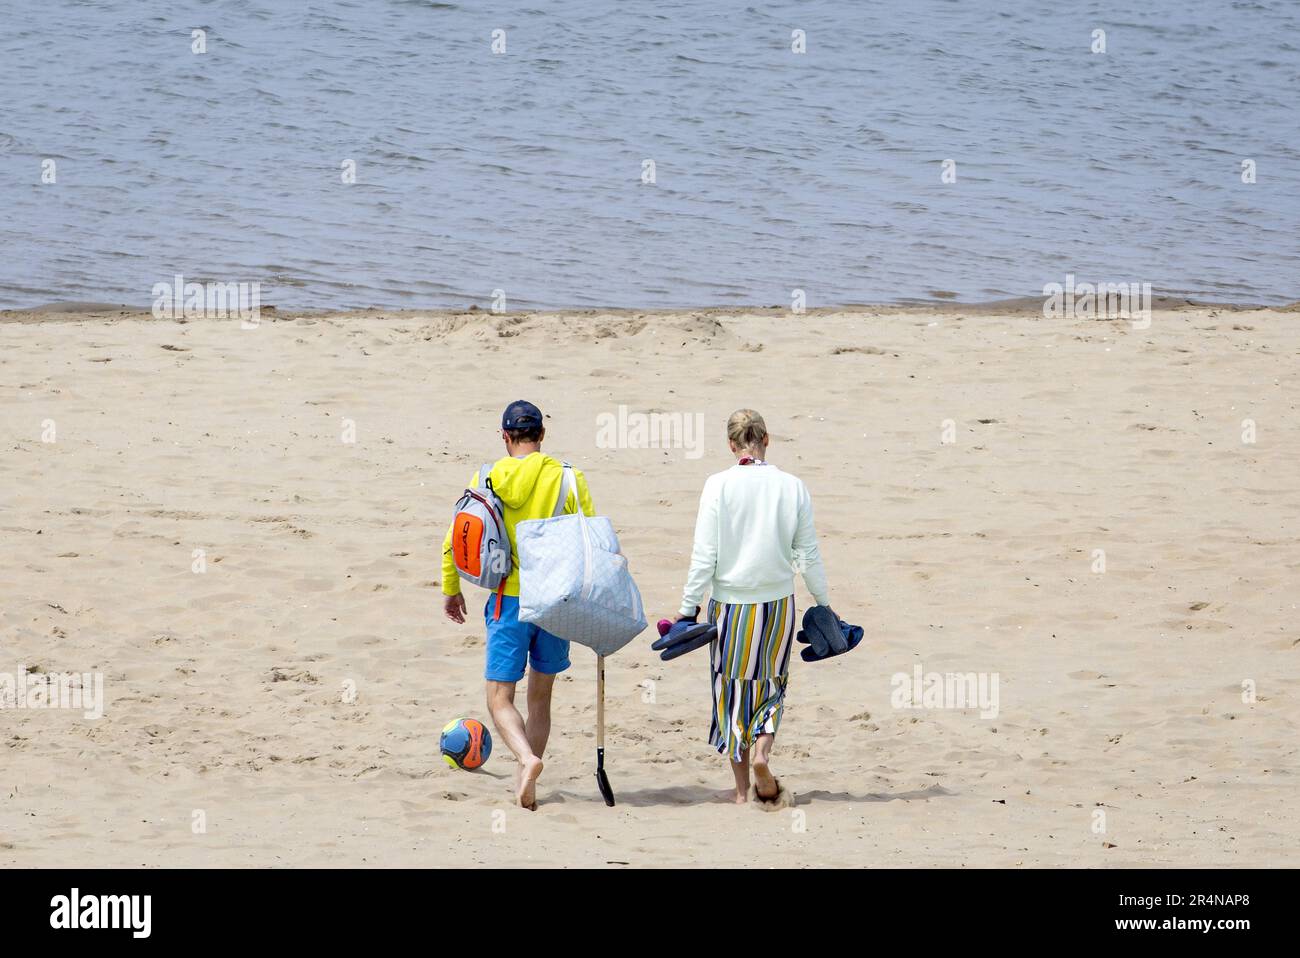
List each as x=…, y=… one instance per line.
x=523, y=171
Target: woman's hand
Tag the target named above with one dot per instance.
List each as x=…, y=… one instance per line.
x=678, y=617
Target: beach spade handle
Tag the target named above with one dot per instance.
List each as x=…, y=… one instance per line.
x=600, y=702
x=602, y=780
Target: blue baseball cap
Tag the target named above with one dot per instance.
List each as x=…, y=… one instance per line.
x=521, y=414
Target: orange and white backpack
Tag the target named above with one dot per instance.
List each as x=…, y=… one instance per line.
x=480, y=546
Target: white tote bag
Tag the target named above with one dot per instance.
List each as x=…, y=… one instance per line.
x=574, y=580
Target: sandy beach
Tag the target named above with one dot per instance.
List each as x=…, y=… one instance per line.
x=136, y=450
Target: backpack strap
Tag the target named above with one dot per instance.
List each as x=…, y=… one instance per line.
x=501, y=590
x=485, y=482
x=567, y=484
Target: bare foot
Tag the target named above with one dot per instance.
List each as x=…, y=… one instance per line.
x=764, y=780
x=529, y=771
x=733, y=797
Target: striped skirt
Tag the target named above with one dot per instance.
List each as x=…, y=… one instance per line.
x=750, y=661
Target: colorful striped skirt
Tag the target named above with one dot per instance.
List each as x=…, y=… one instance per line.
x=750, y=661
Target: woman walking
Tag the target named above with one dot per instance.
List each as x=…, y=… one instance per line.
x=753, y=532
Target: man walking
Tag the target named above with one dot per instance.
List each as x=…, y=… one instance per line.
x=529, y=485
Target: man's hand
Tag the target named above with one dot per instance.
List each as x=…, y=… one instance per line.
x=454, y=607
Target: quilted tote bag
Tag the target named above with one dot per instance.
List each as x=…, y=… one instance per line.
x=574, y=582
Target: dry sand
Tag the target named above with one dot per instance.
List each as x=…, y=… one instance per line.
x=1119, y=691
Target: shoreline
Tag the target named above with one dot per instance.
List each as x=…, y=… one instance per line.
x=1020, y=306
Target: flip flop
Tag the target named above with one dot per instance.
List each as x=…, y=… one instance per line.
x=683, y=630
x=666, y=625
x=680, y=640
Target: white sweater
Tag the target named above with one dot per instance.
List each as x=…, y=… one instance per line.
x=753, y=532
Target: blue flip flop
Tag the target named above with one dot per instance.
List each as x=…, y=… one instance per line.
x=686, y=635
x=673, y=633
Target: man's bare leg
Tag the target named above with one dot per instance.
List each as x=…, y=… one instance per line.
x=741, y=771
x=538, y=724
x=510, y=728
x=764, y=780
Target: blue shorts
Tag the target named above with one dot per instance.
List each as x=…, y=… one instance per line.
x=512, y=644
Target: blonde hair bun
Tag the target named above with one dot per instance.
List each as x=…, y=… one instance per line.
x=746, y=429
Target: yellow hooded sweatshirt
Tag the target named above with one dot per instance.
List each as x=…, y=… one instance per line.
x=528, y=488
